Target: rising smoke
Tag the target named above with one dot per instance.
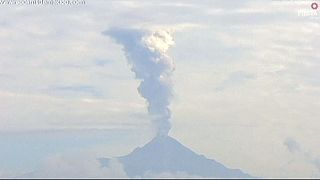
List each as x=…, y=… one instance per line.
x=295, y=148
x=146, y=51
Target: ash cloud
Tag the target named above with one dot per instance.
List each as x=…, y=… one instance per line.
x=295, y=148
x=146, y=52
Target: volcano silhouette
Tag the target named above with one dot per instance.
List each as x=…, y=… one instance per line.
x=163, y=154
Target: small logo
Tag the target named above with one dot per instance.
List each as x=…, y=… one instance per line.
x=314, y=6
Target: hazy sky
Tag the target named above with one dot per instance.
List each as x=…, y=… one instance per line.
x=246, y=79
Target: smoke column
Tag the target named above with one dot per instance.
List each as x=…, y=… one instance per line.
x=146, y=53
x=295, y=148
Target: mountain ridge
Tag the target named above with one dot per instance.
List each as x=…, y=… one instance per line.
x=164, y=154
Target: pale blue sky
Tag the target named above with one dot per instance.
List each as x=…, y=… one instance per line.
x=246, y=79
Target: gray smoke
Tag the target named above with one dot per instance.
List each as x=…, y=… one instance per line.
x=295, y=148
x=146, y=51
x=292, y=145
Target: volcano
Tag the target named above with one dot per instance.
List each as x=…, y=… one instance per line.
x=164, y=154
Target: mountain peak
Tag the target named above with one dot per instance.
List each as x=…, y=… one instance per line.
x=164, y=154
x=165, y=143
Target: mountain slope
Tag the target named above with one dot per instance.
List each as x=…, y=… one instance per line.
x=166, y=155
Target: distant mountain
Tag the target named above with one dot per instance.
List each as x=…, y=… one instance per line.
x=166, y=155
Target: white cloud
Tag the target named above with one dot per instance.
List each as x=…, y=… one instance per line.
x=8, y=174
x=27, y=112
x=295, y=148
x=169, y=175
x=79, y=165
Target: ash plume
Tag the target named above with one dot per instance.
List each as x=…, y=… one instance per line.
x=295, y=148
x=146, y=52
